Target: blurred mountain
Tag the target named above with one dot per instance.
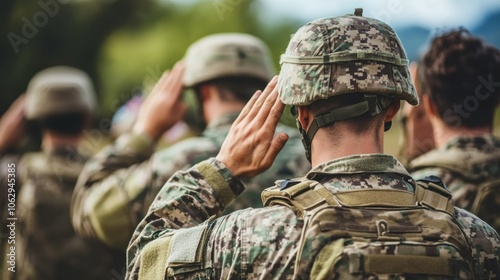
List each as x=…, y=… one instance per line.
x=488, y=29
x=414, y=39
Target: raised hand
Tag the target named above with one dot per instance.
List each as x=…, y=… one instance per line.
x=163, y=107
x=13, y=125
x=251, y=147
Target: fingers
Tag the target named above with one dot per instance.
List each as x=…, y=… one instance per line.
x=253, y=107
x=175, y=80
x=276, y=146
x=170, y=81
x=248, y=107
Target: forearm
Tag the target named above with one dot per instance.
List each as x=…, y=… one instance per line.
x=189, y=198
x=109, y=189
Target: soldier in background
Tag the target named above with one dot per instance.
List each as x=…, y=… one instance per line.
x=117, y=185
x=356, y=215
x=416, y=138
x=61, y=102
x=460, y=76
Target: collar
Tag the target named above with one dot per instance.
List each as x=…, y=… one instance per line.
x=357, y=164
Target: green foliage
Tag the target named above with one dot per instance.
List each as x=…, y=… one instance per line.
x=134, y=57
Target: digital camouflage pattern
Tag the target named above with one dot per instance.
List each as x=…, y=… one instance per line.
x=47, y=246
x=118, y=185
x=464, y=164
x=366, y=56
x=263, y=243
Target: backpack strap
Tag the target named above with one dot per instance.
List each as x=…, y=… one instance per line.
x=432, y=193
x=298, y=194
x=305, y=195
x=485, y=190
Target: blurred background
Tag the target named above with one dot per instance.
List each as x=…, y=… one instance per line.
x=125, y=45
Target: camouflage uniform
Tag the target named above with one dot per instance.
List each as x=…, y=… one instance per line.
x=46, y=244
x=464, y=163
x=262, y=243
x=128, y=175
x=326, y=57
x=117, y=186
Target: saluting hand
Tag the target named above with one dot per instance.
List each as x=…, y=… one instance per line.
x=251, y=147
x=163, y=107
x=13, y=125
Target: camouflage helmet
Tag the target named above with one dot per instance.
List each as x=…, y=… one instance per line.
x=226, y=55
x=58, y=90
x=347, y=54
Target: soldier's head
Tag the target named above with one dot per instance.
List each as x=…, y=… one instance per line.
x=417, y=136
x=345, y=70
x=235, y=64
x=60, y=100
x=460, y=74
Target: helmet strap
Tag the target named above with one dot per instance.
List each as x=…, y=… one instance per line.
x=371, y=104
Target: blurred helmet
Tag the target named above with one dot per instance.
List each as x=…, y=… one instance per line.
x=59, y=90
x=226, y=55
x=346, y=54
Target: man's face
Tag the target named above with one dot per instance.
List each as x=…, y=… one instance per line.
x=419, y=137
x=418, y=130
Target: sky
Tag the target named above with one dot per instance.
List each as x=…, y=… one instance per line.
x=426, y=13
x=398, y=13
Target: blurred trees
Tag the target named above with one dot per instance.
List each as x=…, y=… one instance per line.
x=122, y=44
x=44, y=33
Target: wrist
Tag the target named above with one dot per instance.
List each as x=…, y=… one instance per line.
x=144, y=130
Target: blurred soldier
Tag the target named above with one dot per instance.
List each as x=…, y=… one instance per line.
x=117, y=185
x=461, y=80
x=417, y=137
x=61, y=101
x=356, y=215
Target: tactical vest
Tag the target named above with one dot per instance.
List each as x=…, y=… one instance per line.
x=380, y=233
x=486, y=204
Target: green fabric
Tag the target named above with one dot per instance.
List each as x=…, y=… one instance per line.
x=186, y=245
x=215, y=179
x=324, y=263
x=411, y=264
x=154, y=259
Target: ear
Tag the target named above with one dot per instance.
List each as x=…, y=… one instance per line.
x=429, y=105
x=392, y=110
x=304, y=117
x=206, y=92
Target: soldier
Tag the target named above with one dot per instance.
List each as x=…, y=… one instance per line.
x=356, y=215
x=60, y=101
x=417, y=137
x=117, y=186
x=460, y=75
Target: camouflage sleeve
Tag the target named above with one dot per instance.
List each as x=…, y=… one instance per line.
x=484, y=241
x=105, y=200
x=189, y=198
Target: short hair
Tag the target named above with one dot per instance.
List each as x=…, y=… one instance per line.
x=457, y=72
x=66, y=124
x=359, y=124
x=239, y=89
